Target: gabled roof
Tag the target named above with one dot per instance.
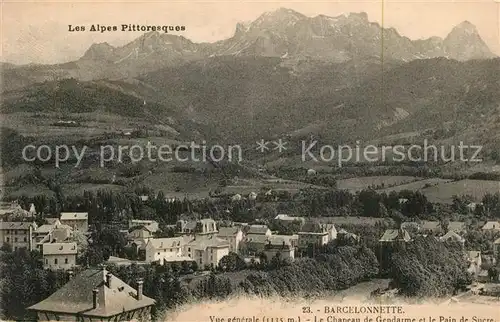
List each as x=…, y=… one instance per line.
x=492, y=225
x=47, y=228
x=457, y=226
x=257, y=230
x=74, y=215
x=76, y=296
x=279, y=239
x=59, y=249
x=17, y=225
x=228, y=231
x=52, y=221
x=430, y=225
x=162, y=243
x=473, y=256
x=453, y=236
x=316, y=227
x=202, y=243
x=285, y=217
x=395, y=235
x=257, y=238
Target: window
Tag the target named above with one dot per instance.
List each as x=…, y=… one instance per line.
x=189, y=249
x=8, y=239
x=25, y=239
x=65, y=261
x=158, y=253
x=46, y=261
x=55, y=261
x=15, y=239
x=15, y=232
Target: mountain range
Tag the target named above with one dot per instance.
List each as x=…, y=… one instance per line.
x=283, y=33
x=282, y=75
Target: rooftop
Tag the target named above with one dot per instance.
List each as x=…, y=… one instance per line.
x=202, y=243
x=228, y=231
x=59, y=249
x=161, y=243
x=74, y=215
x=14, y=225
x=76, y=296
x=257, y=229
x=395, y=235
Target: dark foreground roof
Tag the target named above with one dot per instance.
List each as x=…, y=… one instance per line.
x=76, y=296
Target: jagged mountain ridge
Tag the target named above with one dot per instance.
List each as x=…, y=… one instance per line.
x=283, y=33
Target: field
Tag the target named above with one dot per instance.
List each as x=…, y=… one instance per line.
x=417, y=185
x=360, y=183
x=444, y=192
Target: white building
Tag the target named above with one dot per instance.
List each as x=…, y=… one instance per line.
x=59, y=255
x=207, y=250
x=17, y=234
x=233, y=235
x=76, y=220
x=166, y=250
x=492, y=225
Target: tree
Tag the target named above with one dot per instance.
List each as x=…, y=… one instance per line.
x=493, y=274
x=232, y=262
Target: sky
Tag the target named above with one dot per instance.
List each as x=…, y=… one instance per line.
x=37, y=32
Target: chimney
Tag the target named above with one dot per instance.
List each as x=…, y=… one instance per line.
x=139, y=289
x=108, y=279
x=95, y=292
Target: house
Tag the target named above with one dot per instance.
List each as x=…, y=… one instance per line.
x=471, y=207
x=316, y=233
x=118, y=261
x=58, y=234
x=143, y=222
x=49, y=233
x=492, y=225
x=458, y=227
x=166, y=249
x=17, y=234
x=206, y=227
x=76, y=220
x=348, y=237
x=474, y=261
x=287, y=219
x=59, y=255
x=140, y=231
x=452, y=236
x=254, y=244
x=95, y=295
x=395, y=235
x=496, y=247
x=207, y=250
x=283, y=250
x=233, y=235
x=431, y=227
x=258, y=230
x=200, y=227
x=12, y=211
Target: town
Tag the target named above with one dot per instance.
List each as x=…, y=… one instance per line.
x=196, y=248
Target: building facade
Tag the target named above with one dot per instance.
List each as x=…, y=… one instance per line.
x=59, y=255
x=76, y=220
x=17, y=234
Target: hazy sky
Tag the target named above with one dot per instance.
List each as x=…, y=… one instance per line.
x=37, y=32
